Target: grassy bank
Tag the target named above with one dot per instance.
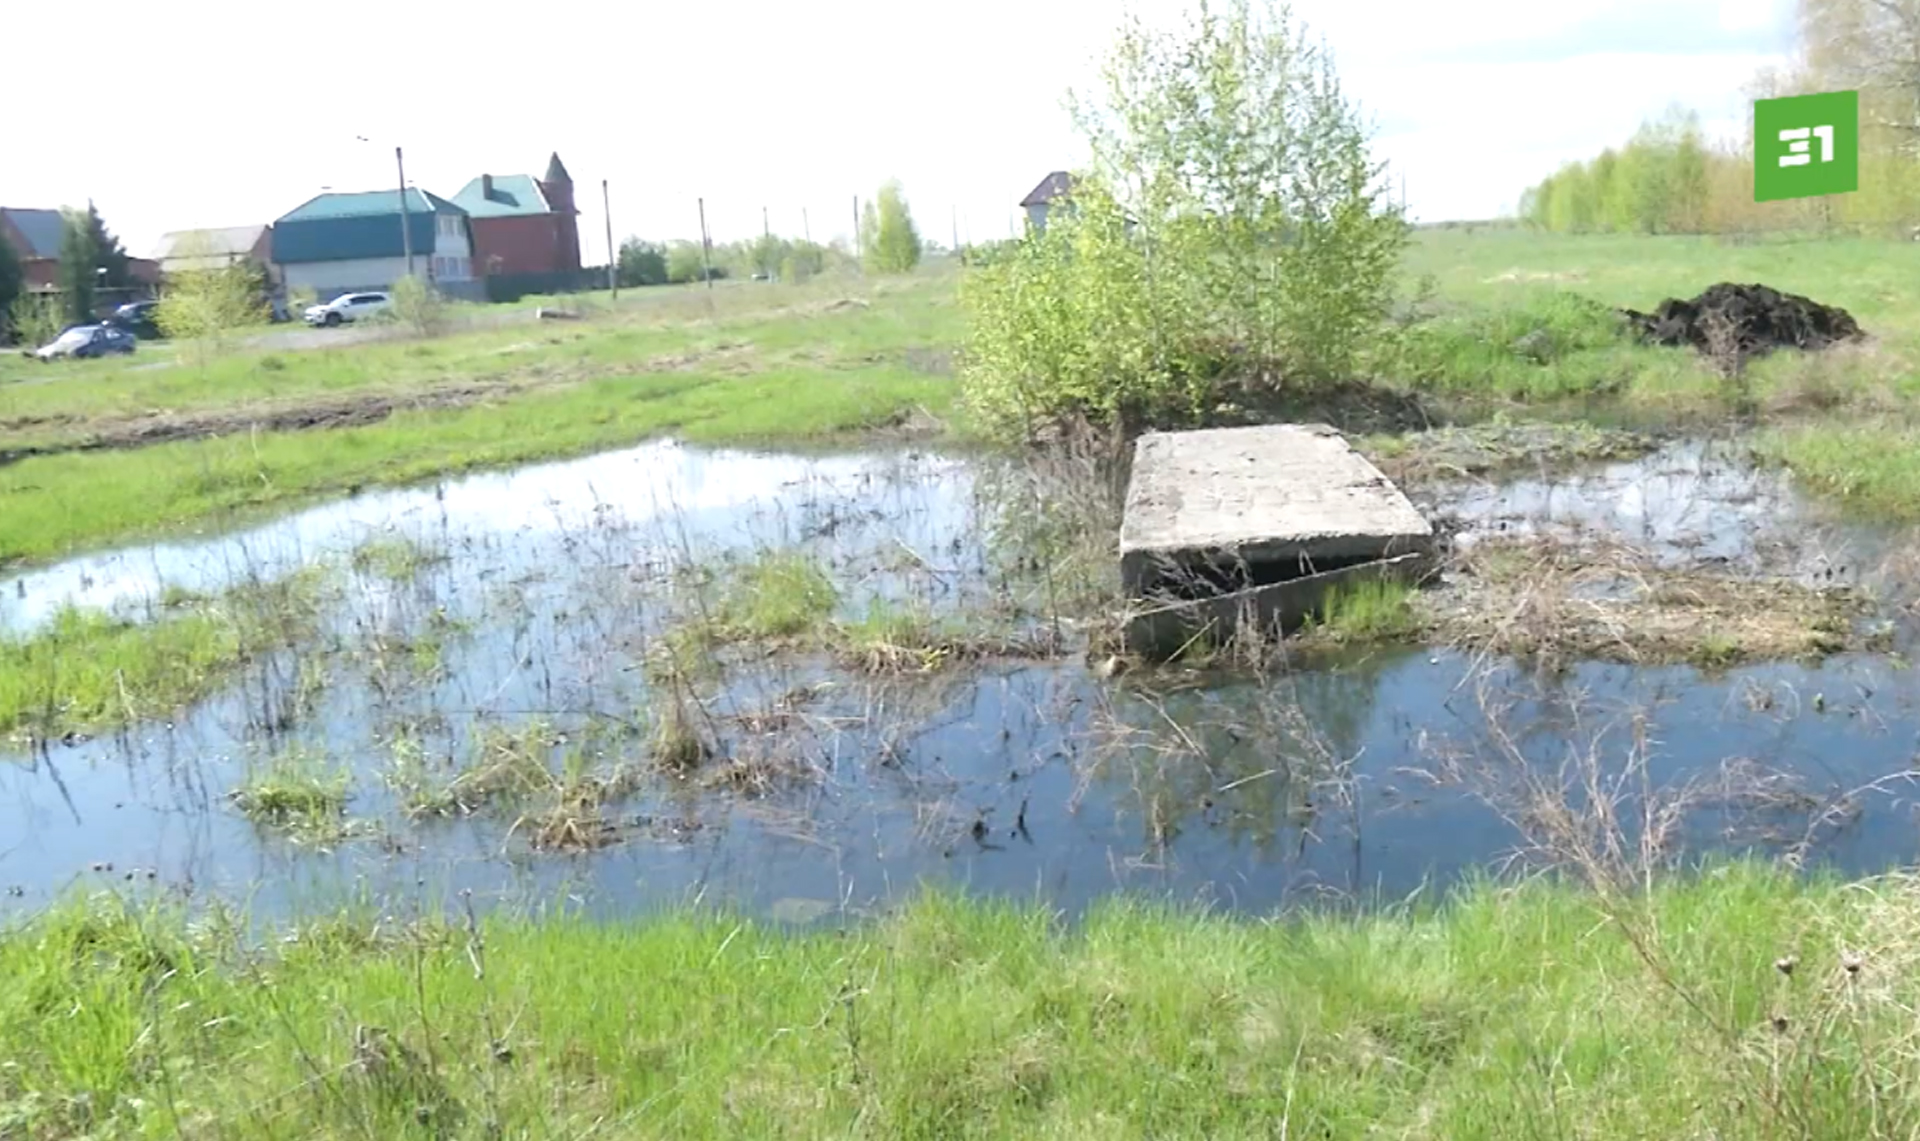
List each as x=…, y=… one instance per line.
x=87, y=670
x=1516, y=321
x=1741, y=1003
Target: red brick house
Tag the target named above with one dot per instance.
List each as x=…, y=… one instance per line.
x=35, y=237
x=526, y=230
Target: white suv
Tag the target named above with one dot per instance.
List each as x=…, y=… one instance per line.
x=349, y=307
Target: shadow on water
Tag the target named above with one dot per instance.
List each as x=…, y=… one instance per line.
x=834, y=790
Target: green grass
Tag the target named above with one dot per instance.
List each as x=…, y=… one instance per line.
x=297, y=793
x=1872, y=468
x=778, y=595
x=87, y=670
x=1506, y=1012
x=395, y=558
x=1367, y=612
x=55, y=505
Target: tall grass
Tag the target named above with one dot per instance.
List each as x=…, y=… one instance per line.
x=1504, y=1012
x=88, y=670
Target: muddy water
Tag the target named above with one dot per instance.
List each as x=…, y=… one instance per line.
x=1025, y=779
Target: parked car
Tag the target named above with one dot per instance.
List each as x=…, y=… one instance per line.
x=349, y=307
x=137, y=317
x=84, y=341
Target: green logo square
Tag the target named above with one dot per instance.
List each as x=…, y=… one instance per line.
x=1806, y=145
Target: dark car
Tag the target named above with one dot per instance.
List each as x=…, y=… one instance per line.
x=84, y=341
x=138, y=318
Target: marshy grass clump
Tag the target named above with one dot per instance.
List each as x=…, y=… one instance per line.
x=556, y=784
x=778, y=595
x=297, y=792
x=1544, y=599
x=1500, y=445
x=395, y=558
x=87, y=669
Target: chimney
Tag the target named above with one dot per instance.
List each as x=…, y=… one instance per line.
x=486, y=186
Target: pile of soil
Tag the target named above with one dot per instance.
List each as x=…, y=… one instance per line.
x=1757, y=318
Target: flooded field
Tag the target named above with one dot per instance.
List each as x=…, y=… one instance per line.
x=501, y=696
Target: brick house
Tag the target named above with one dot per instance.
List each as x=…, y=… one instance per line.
x=526, y=231
x=35, y=237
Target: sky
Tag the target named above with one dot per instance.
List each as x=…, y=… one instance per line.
x=233, y=112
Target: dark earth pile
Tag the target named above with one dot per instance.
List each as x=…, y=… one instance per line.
x=1756, y=318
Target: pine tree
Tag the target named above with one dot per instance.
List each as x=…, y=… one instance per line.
x=109, y=254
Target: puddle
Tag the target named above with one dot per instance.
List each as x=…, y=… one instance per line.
x=1014, y=778
x=1691, y=502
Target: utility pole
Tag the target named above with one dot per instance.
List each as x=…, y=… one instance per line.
x=613, y=260
x=766, y=231
x=856, y=228
x=706, y=267
x=955, y=248
x=806, y=231
x=406, y=222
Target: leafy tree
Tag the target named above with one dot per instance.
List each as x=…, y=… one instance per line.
x=767, y=253
x=891, y=243
x=1233, y=237
x=37, y=318
x=13, y=278
x=641, y=263
x=204, y=307
x=804, y=259
x=684, y=262
x=79, y=265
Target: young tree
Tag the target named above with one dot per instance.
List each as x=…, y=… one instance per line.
x=12, y=281
x=642, y=263
x=887, y=230
x=79, y=265
x=684, y=262
x=419, y=305
x=202, y=307
x=1246, y=170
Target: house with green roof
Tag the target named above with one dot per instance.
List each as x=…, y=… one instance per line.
x=526, y=231
x=345, y=243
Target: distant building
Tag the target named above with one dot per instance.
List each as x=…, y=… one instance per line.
x=526, y=231
x=345, y=243
x=185, y=250
x=1041, y=198
x=35, y=236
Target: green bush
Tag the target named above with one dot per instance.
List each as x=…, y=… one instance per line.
x=1234, y=232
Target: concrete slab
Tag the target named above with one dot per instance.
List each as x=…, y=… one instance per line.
x=1286, y=500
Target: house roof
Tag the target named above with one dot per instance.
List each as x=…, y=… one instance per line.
x=369, y=204
x=557, y=172
x=42, y=230
x=298, y=241
x=1051, y=187
x=512, y=194
x=215, y=244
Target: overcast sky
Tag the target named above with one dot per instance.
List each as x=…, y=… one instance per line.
x=226, y=112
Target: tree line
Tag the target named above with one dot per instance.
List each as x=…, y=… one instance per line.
x=889, y=241
x=1669, y=179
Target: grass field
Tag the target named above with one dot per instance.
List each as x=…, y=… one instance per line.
x=128, y=448
x=1740, y=1002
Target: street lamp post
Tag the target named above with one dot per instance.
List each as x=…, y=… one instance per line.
x=406, y=222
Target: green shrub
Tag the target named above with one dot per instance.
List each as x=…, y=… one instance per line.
x=1234, y=230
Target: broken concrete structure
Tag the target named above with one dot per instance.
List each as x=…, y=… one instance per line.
x=1228, y=525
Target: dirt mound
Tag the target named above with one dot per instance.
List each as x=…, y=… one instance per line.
x=1749, y=319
